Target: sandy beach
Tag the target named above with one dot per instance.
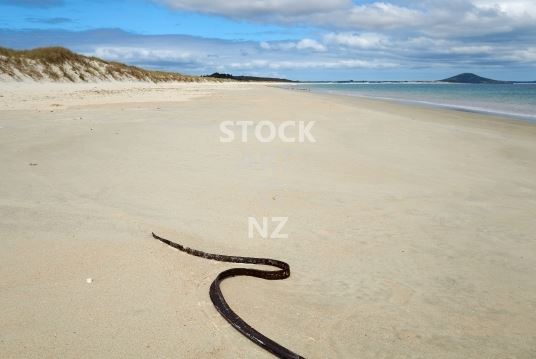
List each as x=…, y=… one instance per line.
x=411, y=230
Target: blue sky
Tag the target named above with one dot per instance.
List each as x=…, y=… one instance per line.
x=298, y=39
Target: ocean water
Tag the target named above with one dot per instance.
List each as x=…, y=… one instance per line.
x=511, y=100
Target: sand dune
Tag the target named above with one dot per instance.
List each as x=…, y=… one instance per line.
x=59, y=64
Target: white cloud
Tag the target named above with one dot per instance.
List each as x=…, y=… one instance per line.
x=304, y=44
x=141, y=54
x=513, y=8
x=359, y=41
x=436, y=18
x=522, y=56
x=471, y=49
x=309, y=44
x=258, y=8
x=378, y=15
x=319, y=64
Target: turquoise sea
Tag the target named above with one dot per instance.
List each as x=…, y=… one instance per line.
x=511, y=100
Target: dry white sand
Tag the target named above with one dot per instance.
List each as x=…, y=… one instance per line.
x=411, y=230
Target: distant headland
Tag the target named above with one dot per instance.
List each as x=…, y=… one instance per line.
x=217, y=75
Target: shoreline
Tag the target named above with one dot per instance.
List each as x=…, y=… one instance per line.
x=424, y=103
x=469, y=118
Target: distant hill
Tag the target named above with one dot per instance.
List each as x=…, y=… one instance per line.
x=468, y=78
x=247, y=78
x=62, y=65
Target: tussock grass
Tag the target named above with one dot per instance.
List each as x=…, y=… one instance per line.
x=50, y=55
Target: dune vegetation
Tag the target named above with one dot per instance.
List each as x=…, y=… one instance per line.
x=62, y=65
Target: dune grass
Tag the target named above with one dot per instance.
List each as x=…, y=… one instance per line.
x=61, y=64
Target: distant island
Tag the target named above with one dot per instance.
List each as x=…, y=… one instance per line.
x=217, y=75
x=469, y=78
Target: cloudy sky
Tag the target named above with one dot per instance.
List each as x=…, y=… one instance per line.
x=298, y=39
